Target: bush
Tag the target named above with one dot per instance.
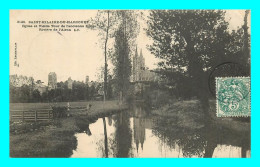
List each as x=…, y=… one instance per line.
x=158, y=98
x=59, y=112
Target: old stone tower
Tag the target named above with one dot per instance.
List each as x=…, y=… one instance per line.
x=52, y=80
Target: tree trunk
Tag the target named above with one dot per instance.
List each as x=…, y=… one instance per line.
x=120, y=97
x=105, y=70
x=198, y=78
x=246, y=51
x=245, y=28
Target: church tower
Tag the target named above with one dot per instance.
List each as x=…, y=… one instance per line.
x=138, y=66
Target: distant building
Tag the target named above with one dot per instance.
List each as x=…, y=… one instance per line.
x=52, y=80
x=87, y=79
x=138, y=66
x=18, y=81
x=70, y=81
x=149, y=75
x=139, y=71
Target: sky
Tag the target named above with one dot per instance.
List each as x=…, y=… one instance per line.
x=69, y=54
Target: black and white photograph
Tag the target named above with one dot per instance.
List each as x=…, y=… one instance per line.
x=130, y=83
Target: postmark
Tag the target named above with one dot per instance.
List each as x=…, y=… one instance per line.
x=226, y=69
x=233, y=97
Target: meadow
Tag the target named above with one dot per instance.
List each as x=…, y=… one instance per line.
x=55, y=138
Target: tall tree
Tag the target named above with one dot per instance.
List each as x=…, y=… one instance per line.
x=125, y=36
x=105, y=71
x=122, y=63
x=104, y=22
x=190, y=43
x=111, y=23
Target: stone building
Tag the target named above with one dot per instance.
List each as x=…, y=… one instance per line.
x=139, y=71
x=87, y=80
x=138, y=66
x=70, y=82
x=52, y=80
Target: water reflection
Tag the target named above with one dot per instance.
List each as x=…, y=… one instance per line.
x=136, y=133
x=139, y=127
x=105, y=135
x=123, y=135
x=109, y=118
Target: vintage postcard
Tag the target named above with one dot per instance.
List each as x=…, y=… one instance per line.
x=130, y=83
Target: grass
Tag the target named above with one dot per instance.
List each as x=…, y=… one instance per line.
x=56, y=138
x=54, y=141
x=189, y=115
x=184, y=113
x=96, y=105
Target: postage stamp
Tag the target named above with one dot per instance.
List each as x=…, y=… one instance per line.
x=233, y=96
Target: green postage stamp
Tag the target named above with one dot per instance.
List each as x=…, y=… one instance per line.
x=233, y=96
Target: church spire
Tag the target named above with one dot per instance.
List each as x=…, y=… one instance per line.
x=137, y=145
x=142, y=60
x=136, y=52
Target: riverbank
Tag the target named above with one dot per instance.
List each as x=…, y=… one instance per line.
x=189, y=115
x=55, y=138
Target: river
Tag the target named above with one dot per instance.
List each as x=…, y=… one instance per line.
x=136, y=133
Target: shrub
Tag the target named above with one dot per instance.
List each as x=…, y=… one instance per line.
x=59, y=112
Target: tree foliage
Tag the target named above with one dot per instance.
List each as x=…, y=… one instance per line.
x=79, y=91
x=125, y=36
x=122, y=62
x=121, y=28
x=190, y=43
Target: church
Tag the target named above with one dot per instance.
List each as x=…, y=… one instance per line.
x=139, y=71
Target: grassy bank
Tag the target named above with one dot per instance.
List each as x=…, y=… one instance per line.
x=55, y=138
x=96, y=105
x=189, y=115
